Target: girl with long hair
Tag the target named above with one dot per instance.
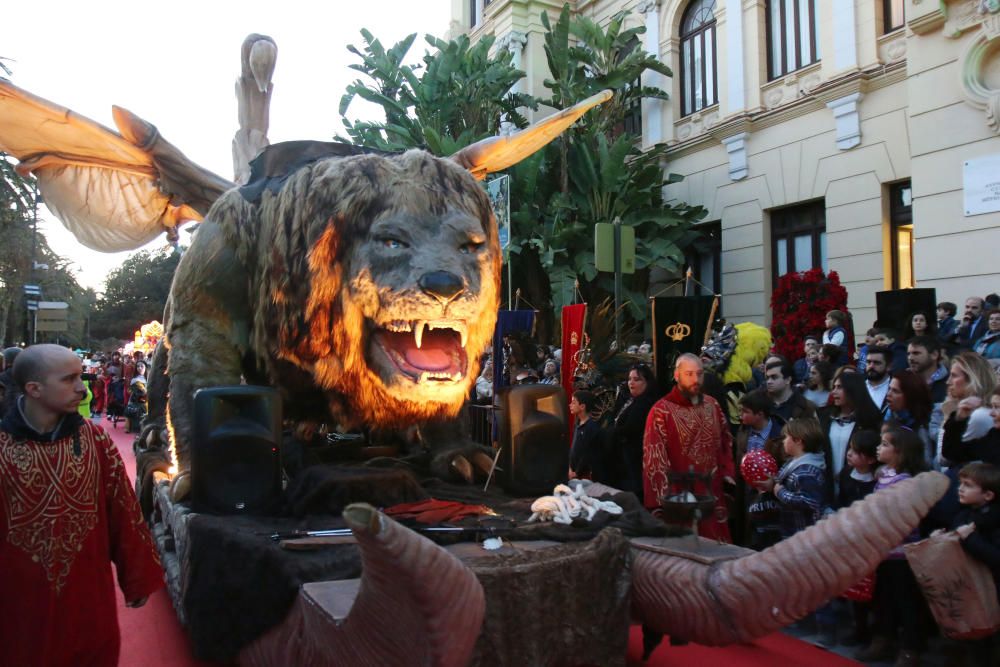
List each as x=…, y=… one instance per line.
x=851, y=407
x=898, y=601
x=909, y=401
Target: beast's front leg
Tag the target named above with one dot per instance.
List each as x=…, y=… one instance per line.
x=205, y=336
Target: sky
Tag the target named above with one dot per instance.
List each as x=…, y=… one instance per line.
x=175, y=64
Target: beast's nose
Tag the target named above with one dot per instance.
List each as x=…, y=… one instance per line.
x=441, y=285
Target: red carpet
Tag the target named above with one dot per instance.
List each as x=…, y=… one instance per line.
x=153, y=637
x=770, y=651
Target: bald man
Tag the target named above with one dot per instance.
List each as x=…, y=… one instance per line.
x=67, y=511
x=686, y=430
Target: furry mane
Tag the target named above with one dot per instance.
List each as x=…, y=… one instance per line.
x=308, y=309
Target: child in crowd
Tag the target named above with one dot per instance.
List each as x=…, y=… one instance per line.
x=862, y=352
x=887, y=338
x=947, y=324
x=800, y=486
x=586, y=458
x=857, y=480
x=978, y=524
x=898, y=602
x=801, y=491
x=836, y=334
x=760, y=430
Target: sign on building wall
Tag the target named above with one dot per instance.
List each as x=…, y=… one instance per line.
x=981, y=185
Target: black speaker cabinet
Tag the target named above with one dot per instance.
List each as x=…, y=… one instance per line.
x=235, y=450
x=535, y=454
x=894, y=308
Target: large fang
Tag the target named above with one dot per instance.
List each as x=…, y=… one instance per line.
x=418, y=331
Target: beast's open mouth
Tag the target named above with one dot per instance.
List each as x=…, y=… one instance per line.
x=426, y=350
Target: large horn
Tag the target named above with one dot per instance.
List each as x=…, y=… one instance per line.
x=497, y=153
x=416, y=605
x=745, y=598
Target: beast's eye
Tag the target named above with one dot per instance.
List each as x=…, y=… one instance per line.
x=470, y=248
x=391, y=243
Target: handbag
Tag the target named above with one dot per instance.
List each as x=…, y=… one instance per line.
x=959, y=589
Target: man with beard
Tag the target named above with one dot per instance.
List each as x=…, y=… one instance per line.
x=67, y=510
x=877, y=376
x=686, y=431
x=923, y=357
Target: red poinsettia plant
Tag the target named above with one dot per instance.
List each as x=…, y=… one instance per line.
x=799, y=304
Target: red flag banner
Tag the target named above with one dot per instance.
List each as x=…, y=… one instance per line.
x=573, y=318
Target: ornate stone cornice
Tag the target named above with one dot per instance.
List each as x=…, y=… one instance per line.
x=513, y=41
x=646, y=6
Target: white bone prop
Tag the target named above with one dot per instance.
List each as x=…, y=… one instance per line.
x=566, y=504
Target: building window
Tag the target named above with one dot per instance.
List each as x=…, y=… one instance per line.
x=901, y=234
x=798, y=239
x=699, y=76
x=791, y=36
x=893, y=14
x=704, y=258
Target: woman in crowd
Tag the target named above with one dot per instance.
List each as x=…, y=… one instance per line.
x=972, y=380
x=909, y=401
x=989, y=344
x=630, y=414
x=919, y=324
x=818, y=384
x=958, y=450
x=850, y=407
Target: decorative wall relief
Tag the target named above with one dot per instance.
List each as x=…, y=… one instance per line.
x=892, y=48
x=967, y=15
x=696, y=124
x=981, y=62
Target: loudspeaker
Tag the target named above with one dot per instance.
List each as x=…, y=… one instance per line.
x=235, y=450
x=535, y=454
x=893, y=308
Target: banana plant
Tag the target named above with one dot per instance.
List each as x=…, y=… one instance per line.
x=460, y=94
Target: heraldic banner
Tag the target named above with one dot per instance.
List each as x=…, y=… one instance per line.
x=573, y=318
x=679, y=325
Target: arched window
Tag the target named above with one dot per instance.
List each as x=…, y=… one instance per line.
x=791, y=36
x=699, y=80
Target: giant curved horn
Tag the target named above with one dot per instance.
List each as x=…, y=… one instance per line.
x=497, y=153
x=741, y=599
x=416, y=605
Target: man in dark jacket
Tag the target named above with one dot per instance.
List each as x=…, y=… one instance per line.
x=788, y=402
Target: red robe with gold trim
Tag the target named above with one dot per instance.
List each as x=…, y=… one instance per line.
x=67, y=511
x=680, y=435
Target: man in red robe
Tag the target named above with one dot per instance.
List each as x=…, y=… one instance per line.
x=67, y=511
x=686, y=430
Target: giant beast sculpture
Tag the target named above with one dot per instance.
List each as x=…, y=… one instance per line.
x=360, y=285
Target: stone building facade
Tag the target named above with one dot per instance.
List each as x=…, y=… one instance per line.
x=862, y=136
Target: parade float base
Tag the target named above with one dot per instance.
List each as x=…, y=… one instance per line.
x=554, y=594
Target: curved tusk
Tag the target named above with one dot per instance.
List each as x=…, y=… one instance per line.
x=416, y=605
x=497, y=153
x=741, y=599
